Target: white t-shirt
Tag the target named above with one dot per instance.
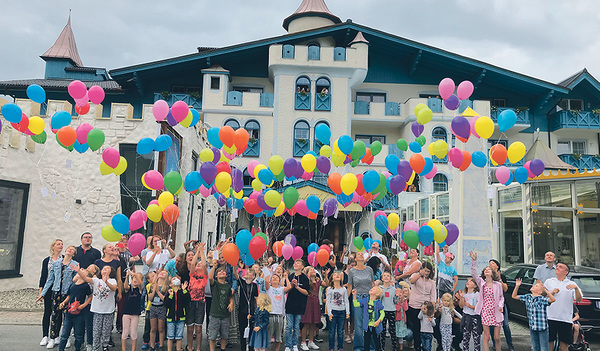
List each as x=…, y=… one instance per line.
x=277, y=300
x=103, y=301
x=381, y=257
x=159, y=260
x=562, y=309
x=472, y=299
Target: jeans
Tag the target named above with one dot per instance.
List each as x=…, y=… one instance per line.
x=359, y=339
x=336, y=327
x=371, y=334
x=89, y=325
x=426, y=339
x=76, y=322
x=292, y=327
x=539, y=340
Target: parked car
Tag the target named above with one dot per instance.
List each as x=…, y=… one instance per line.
x=588, y=280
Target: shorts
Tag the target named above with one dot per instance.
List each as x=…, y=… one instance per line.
x=218, y=326
x=563, y=329
x=175, y=330
x=158, y=312
x=276, y=327
x=195, y=313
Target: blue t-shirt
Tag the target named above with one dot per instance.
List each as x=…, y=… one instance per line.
x=133, y=302
x=446, y=276
x=170, y=268
x=79, y=293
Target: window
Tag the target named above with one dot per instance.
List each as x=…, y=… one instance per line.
x=499, y=102
x=317, y=144
x=571, y=104
x=371, y=97
x=323, y=86
x=13, y=206
x=571, y=147
x=440, y=183
x=253, y=129
x=439, y=133
x=247, y=178
x=176, y=89
x=243, y=89
x=215, y=83
x=233, y=124
x=369, y=139
x=303, y=85
x=301, y=138
x=314, y=51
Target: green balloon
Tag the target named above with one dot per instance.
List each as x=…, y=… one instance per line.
x=359, y=150
x=173, y=181
x=290, y=197
x=421, y=140
x=262, y=235
x=95, y=139
x=354, y=163
x=376, y=147
x=359, y=243
x=40, y=138
x=411, y=239
x=381, y=195
x=381, y=186
x=402, y=144
x=280, y=176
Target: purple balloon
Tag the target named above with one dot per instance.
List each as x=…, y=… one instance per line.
x=171, y=120
x=397, y=184
x=216, y=155
x=323, y=164
x=0, y=125
x=537, y=166
x=237, y=179
x=289, y=167
x=290, y=239
x=452, y=102
x=213, y=189
x=221, y=200
x=329, y=207
x=452, y=233
x=299, y=170
x=461, y=127
x=208, y=171
x=417, y=128
x=261, y=202
x=404, y=169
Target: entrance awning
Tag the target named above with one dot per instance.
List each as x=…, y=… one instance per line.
x=540, y=150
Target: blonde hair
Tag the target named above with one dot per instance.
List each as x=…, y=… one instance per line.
x=448, y=297
x=403, y=285
x=379, y=292
x=263, y=301
x=52, y=245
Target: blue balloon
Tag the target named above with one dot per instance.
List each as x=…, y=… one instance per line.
x=213, y=137
x=13, y=113
x=121, y=223
x=367, y=243
x=370, y=180
x=479, y=159
x=269, y=213
x=266, y=176
x=510, y=179
x=426, y=235
x=239, y=204
x=163, y=142
x=145, y=146
x=323, y=133
x=443, y=244
x=195, y=117
x=230, y=202
x=36, y=93
x=59, y=119
x=345, y=144
x=343, y=198
x=415, y=147
x=521, y=175
x=391, y=163
x=381, y=224
x=81, y=148
x=258, y=215
x=312, y=153
x=313, y=203
x=192, y=182
x=313, y=247
x=506, y=120
x=428, y=166
x=242, y=240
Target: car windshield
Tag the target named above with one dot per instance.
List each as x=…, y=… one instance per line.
x=588, y=283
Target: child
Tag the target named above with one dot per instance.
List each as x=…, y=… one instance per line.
x=312, y=314
x=248, y=292
x=427, y=324
x=277, y=295
x=260, y=281
x=260, y=334
x=132, y=308
x=158, y=313
x=338, y=307
x=150, y=276
x=387, y=299
x=196, y=310
x=471, y=321
x=176, y=303
x=295, y=304
x=221, y=307
x=78, y=299
x=448, y=313
x=373, y=315
x=401, y=305
x=536, y=305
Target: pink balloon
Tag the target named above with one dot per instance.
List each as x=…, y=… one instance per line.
x=287, y=250
x=472, y=123
x=446, y=88
x=432, y=173
x=77, y=89
x=82, y=132
x=254, y=195
x=298, y=253
x=392, y=231
x=386, y=174
x=83, y=101
x=363, y=202
x=355, y=197
x=136, y=243
x=160, y=110
x=111, y=157
x=179, y=110
x=464, y=90
x=301, y=208
x=411, y=225
x=96, y=95
x=154, y=180
x=312, y=259
x=379, y=213
x=503, y=174
x=251, y=165
x=137, y=219
x=455, y=156
x=203, y=191
x=526, y=165
x=153, y=202
x=307, y=176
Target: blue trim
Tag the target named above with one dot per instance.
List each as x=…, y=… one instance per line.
x=361, y=107
x=392, y=109
x=302, y=102
x=588, y=162
x=566, y=119
x=234, y=98
x=305, y=183
x=339, y=54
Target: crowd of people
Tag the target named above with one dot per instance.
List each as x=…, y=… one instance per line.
x=364, y=297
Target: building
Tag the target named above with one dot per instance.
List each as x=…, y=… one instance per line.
x=360, y=81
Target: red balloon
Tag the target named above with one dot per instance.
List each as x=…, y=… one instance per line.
x=292, y=211
x=22, y=126
x=466, y=160
x=325, y=247
x=360, y=190
x=417, y=163
x=257, y=247
x=312, y=215
x=498, y=153
x=252, y=206
x=227, y=135
x=403, y=246
x=82, y=110
x=322, y=257
x=223, y=167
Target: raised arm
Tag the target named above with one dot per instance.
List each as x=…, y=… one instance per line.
x=518, y=282
x=211, y=276
x=474, y=266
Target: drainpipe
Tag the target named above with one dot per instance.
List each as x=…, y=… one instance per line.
x=548, y=121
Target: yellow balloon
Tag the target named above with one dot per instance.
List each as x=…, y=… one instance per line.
x=280, y=209
x=165, y=199
x=412, y=177
x=430, y=148
x=419, y=107
x=348, y=183
x=105, y=169
x=325, y=151
x=272, y=198
x=424, y=116
x=227, y=194
x=336, y=149
x=439, y=233
x=154, y=213
x=178, y=192
x=230, y=150
x=223, y=182
x=121, y=167
x=338, y=160
x=276, y=164
x=187, y=121
x=239, y=194
x=484, y=126
x=110, y=234
x=259, y=168
x=36, y=125
x=206, y=155
x=440, y=149
x=516, y=151
x=309, y=162
x=393, y=220
x=433, y=223
x=143, y=181
x=257, y=185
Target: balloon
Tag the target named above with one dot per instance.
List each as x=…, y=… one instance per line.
x=479, y=159
x=397, y=185
x=414, y=147
x=472, y=122
x=452, y=102
x=345, y=144
x=302, y=208
x=122, y=166
x=111, y=157
x=461, y=127
x=381, y=224
x=154, y=213
x=290, y=239
x=348, y=183
x=40, y=138
x=276, y=164
x=136, y=243
x=266, y=177
x=227, y=135
x=36, y=93
x=36, y=125
x=110, y=234
x=394, y=221
x=446, y=88
x=440, y=233
x=334, y=182
x=402, y=144
x=290, y=196
x=163, y=142
x=165, y=199
x=77, y=89
x=516, y=152
x=59, y=119
x=120, y=223
x=171, y=213
x=440, y=149
x=13, y=113
x=466, y=161
x=498, y=154
x=322, y=257
x=376, y=147
x=424, y=116
x=521, y=175
x=329, y=207
x=417, y=129
x=223, y=182
x=368, y=242
x=502, y=174
x=323, y=133
x=287, y=250
x=323, y=164
x=96, y=95
x=426, y=235
x=452, y=233
x=242, y=239
x=137, y=219
x=160, y=110
x=537, y=166
x=312, y=258
x=313, y=247
x=241, y=138
x=325, y=151
x=421, y=140
x=105, y=169
x=411, y=225
x=81, y=148
x=277, y=246
x=213, y=137
x=313, y=203
x=272, y=198
x=359, y=150
x=464, y=90
x=95, y=139
x=153, y=180
x=309, y=162
x=180, y=110
x=208, y=171
x=257, y=247
x=67, y=136
x=173, y=181
x=298, y=253
x=146, y=146
x=358, y=243
x=417, y=163
x=484, y=126
x=506, y=120
x=231, y=254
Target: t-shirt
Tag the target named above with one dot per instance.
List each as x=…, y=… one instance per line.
x=116, y=264
x=426, y=324
x=387, y=298
x=133, y=302
x=543, y=272
x=220, y=299
x=86, y=257
x=159, y=260
x=361, y=279
x=296, y=301
x=446, y=276
x=103, y=301
x=277, y=296
x=472, y=299
x=78, y=293
x=261, y=284
x=248, y=293
x=197, y=286
x=562, y=309
x=337, y=300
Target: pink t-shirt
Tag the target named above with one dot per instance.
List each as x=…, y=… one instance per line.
x=422, y=291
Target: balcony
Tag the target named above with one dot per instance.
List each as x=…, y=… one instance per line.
x=302, y=101
x=522, y=115
x=323, y=102
x=191, y=101
x=582, y=162
x=574, y=119
x=376, y=108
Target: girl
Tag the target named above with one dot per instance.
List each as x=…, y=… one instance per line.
x=401, y=304
x=196, y=310
x=337, y=308
x=56, y=248
x=260, y=281
x=277, y=295
x=491, y=301
x=427, y=324
x=103, y=304
x=387, y=299
x=312, y=315
x=132, y=308
x=176, y=303
x=260, y=334
x=471, y=321
x=80, y=296
x=399, y=268
x=158, y=312
x=448, y=313
x=349, y=326
x=372, y=313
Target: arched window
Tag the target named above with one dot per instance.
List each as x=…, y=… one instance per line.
x=233, y=124
x=301, y=138
x=317, y=144
x=253, y=129
x=323, y=85
x=247, y=178
x=323, y=94
x=314, y=51
x=440, y=183
x=439, y=133
x=303, y=85
x=302, y=101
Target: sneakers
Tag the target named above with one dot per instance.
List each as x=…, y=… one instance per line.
x=88, y=348
x=69, y=340
x=318, y=338
x=295, y=348
x=348, y=339
x=111, y=343
x=313, y=346
x=50, y=344
x=304, y=346
x=44, y=341
x=288, y=349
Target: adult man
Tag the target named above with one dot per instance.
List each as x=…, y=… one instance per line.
x=374, y=252
x=560, y=313
x=447, y=275
x=85, y=253
x=545, y=271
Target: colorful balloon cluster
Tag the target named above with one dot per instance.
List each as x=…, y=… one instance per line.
x=413, y=235
x=179, y=113
x=112, y=162
x=146, y=145
x=318, y=255
x=164, y=208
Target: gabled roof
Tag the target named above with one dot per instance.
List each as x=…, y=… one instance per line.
x=572, y=81
x=65, y=46
x=551, y=161
x=311, y=8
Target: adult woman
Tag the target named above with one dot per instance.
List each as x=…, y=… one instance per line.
x=423, y=290
x=361, y=279
x=186, y=264
x=55, y=255
x=412, y=266
x=159, y=254
x=59, y=280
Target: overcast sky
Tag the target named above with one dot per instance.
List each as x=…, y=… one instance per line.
x=547, y=39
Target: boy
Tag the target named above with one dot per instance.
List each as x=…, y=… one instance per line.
x=221, y=307
x=295, y=306
x=536, y=305
x=78, y=300
x=373, y=314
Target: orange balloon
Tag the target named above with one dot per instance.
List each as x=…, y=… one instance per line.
x=312, y=215
x=367, y=155
x=498, y=153
x=322, y=257
x=67, y=136
x=466, y=160
x=417, y=163
x=170, y=214
x=227, y=135
x=334, y=182
x=277, y=246
x=241, y=138
x=231, y=254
